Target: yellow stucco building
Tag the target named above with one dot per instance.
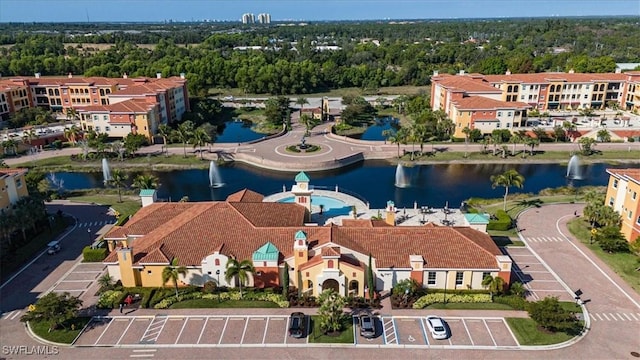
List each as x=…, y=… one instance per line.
x=623, y=192
x=12, y=187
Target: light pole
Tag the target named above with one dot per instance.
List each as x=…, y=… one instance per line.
x=218, y=275
x=446, y=279
x=89, y=235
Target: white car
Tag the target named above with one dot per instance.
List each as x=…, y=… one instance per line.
x=437, y=328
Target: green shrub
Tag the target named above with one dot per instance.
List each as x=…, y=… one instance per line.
x=429, y=299
x=145, y=294
x=110, y=299
x=293, y=148
x=516, y=302
x=93, y=255
x=503, y=223
x=223, y=296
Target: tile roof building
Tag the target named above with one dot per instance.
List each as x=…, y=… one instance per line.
x=12, y=187
x=623, y=195
x=511, y=95
x=202, y=236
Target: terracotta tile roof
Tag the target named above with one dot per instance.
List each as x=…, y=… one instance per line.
x=12, y=171
x=463, y=83
x=540, y=78
x=132, y=106
x=245, y=195
x=630, y=174
x=311, y=263
x=626, y=133
x=192, y=231
x=483, y=103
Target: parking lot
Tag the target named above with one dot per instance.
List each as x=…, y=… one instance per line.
x=272, y=331
x=535, y=277
x=77, y=280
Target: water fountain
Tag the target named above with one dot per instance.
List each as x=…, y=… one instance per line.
x=574, y=172
x=215, y=180
x=401, y=178
x=106, y=173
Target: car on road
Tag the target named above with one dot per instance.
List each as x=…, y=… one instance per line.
x=367, y=326
x=437, y=328
x=228, y=98
x=297, y=324
x=54, y=247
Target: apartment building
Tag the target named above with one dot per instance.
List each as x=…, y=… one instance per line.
x=136, y=116
x=623, y=192
x=632, y=100
x=14, y=96
x=264, y=18
x=12, y=187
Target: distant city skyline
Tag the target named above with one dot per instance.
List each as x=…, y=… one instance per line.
x=301, y=10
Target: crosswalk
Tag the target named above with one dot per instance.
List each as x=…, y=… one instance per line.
x=11, y=315
x=544, y=239
x=90, y=224
x=615, y=316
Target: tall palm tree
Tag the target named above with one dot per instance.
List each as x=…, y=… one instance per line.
x=145, y=181
x=302, y=102
x=183, y=134
x=494, y=284
x=467, y=132
x=165, y=131
x=507, y=179
x=29, y=136
x=531, y=143
x=200, y=137
x=118, y=178
x=10, y=144
x=239, y=270
x=515, y=140
x=172, y=273
x=72, y=114
x=71, y=134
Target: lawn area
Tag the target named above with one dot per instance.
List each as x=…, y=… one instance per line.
x=527, y=332
x=469, y=306
x=63, y=335
x=213, y=303
x=623, y=264
x=345, y=337
x=64, y=163
x=13, y=261
x=475, y=154
x=390, y=90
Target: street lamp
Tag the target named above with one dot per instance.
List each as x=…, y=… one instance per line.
x=89, y=235
x=218, y=275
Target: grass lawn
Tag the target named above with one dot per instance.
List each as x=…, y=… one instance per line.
x=64, y=163
x=213, y=303
x=390, y=90
x=624, y=264
x=475, y=154
x=345, y=337
x=469, y=306
x=13, y=261
x=63, y=335
x=571, y=306
x=527, y=332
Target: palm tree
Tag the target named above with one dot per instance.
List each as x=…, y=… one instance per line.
x=118, y=177
x=105, y=281
x=466, y=131
x=240, y=271
x=172, y=273
x=72, y=114
x=71, y=134
x=302, y=102
x=604, y=135
x=308, y=122
x=165, y=131
x=145, y=181
x=183, y=134
x=532, y=143
x=515, y=140
x=29, y=135
x=507, y=179
x=200, y=137
x=586, y=145
x=10, y=144
x=494, y=284
x=517, y=289
x=118, y=148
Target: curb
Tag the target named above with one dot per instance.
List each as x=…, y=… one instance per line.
x=45, y=341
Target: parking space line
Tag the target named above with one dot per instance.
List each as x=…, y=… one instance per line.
x=264, y=335
x=354, y=324
x=627, y=316
x=124, y=332
x=613, y=317
x=468, y=333
x=111, y=321
x=424, y=332
x=633, y=316
x=223, y=329
x=286, y=331
x=504, y=321
x=308, y=325
x=490, y=334
x=605, y=316
x=182, y=329
x=620, y=316
x=202, y=331
x=244, y=331
x=18, y=312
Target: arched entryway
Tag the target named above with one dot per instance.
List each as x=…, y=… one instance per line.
x=331, y=284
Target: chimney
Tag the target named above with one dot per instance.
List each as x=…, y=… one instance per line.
x=124, y=76
x=158, y=75
x=508, y=72
x=37, y=75
x=436, y=73
x=618, y=70
x=571, y=71
x=461, y=72
x=70, y=75
x=391, y=213
x=181, y=75
x=148, y=197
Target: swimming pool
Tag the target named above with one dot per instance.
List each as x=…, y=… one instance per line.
x=317, y=200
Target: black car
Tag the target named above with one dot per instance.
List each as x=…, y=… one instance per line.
x=367, y=326
x=296, y=325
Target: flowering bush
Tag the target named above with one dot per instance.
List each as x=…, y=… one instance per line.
x=229, y=295
x=109, y=299
x=429, y=299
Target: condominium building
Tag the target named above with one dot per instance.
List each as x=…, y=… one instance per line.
x=12, y=187
x=14, y=96
x=248, y=18
x=515, y=93
x=136, y=116
x=623, y=192
x=264, y=18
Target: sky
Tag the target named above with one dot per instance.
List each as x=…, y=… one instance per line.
x=301, y=10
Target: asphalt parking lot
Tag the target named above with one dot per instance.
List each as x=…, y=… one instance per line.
x=272, y=331
x=535, y=277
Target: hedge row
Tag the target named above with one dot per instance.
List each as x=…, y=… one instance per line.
x=94, y=255
x=430, y=299
x=231, y=295
x=516, y=302
x=504, y=221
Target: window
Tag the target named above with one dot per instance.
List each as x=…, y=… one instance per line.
x=611, y=201
x=638, y=220
x=459, y=275
x=431, y=278
x=18, y=183
x=97, y=128
x=148, y=272
x=485, y=274
x=106, y=128
x=629, y=214
x=330, y=264
x=634, y=196
x=64, y=91
x=615, y=183
x=499, y=113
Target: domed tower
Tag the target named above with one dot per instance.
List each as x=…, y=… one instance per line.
x=301, y=191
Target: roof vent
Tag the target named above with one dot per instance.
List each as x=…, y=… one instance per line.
x=124, y=76
x=159, y=75
x=181, y=75
x=508, y=72
x=70, y=75
x=37, y=75
x=461, y=72
x=571, y=71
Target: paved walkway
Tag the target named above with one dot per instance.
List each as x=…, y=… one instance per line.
x=336, y=151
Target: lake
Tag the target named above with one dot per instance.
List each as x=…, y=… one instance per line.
x=429, y=185
x=236, y=132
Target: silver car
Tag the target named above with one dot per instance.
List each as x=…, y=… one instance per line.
x=437, y=328
x=367, y=326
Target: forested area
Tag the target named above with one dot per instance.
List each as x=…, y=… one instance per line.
x=402, y=54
